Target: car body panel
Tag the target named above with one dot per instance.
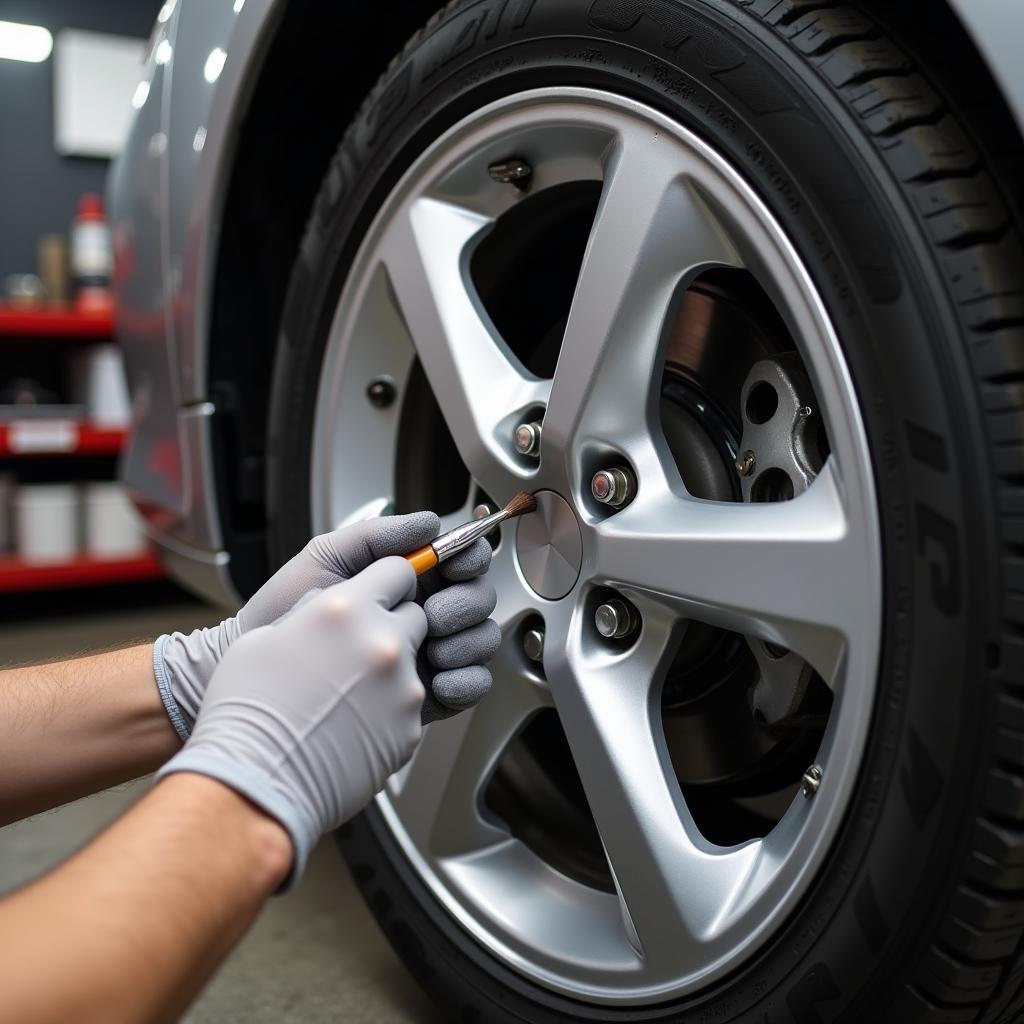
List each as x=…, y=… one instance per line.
x=168, y=191
x=152, y=463
x=997, y=28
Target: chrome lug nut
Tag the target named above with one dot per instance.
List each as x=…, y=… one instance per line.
x=745, y=464
x=533, y=644
x=527, y=438
x=483, y=510
x=811, y=780
x=614, y=487
x=615, y=620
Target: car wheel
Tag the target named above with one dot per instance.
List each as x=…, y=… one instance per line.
x=754, y=747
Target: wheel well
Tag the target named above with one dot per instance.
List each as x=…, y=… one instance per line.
x=322, y=61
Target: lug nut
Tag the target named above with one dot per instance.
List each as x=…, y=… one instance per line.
x=613, y=487
x=745, y=464
x=811, y=780
x=615, y=620
x=533, y=644
x=381, y=392
x=483, y=510
x=527, y=438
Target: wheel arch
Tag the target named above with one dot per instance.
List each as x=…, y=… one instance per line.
x=318, y=63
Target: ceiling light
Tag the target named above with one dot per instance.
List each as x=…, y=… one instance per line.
x=24, y=42
x=214, y=64
x=141, y=95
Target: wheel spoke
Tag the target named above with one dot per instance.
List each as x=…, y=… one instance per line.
x=479, y=384
x=439, y=793
x=653, y=233
x=792, y=573
x=674, y=885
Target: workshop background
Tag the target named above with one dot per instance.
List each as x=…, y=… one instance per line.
x=76, y=574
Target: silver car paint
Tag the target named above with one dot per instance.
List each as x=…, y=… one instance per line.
x=167, y=191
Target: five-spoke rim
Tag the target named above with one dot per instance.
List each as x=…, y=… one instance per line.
x=803, y=574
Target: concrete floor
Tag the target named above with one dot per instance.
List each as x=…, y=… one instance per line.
x=313, y=956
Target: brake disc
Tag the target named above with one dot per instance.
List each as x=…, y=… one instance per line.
x=780, y=456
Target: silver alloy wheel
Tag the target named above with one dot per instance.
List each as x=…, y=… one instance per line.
x=803, y=574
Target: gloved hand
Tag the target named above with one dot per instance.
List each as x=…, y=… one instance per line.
x=184, y=664
x=308, y=717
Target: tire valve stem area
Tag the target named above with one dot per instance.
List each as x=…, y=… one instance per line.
x=811, y=780
x=513, y=171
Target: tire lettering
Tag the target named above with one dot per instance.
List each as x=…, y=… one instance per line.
x=623, y=15
x=927, y=448
x=468, y=30
x=524, y=9
x=938, y=543
x=920, y=780
x=816, y=986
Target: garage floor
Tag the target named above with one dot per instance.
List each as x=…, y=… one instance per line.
x=315, y=955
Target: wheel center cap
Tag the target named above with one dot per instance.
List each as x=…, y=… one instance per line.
x=549, y=546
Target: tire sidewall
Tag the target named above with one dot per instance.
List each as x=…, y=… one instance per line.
x=868, y=918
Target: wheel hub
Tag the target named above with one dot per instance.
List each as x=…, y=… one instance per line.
x=549, y=547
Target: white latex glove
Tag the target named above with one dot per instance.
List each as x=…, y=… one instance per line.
x=308, y=717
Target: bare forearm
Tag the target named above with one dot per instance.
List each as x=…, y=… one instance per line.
x=131, y=928
x=75, y=727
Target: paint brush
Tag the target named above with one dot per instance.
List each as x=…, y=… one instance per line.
x=454, y=541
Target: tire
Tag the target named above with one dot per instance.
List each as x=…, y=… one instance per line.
x=868, y=157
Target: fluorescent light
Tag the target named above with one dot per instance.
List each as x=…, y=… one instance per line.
x=24, y=42
x=214, y=64
x=141, y=94
x=163, y=52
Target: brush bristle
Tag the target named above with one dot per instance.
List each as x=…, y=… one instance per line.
x=520, y=505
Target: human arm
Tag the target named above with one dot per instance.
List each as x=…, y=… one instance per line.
x=132, y=927
x=302, y=723
x=70, y=728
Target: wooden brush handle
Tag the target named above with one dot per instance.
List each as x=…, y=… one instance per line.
x=423, y=560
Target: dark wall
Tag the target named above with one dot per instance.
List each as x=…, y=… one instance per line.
x=39, y=190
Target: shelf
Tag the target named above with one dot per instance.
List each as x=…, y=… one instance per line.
x=17, y=576
x=28, y=438
x=55, y=322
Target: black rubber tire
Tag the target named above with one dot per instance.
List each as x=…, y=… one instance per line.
x=872, y=158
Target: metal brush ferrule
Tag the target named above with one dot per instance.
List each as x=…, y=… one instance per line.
x=454, y=541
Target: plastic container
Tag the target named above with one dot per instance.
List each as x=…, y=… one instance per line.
x=46, y=522
x=98, y=382
x=112, y=526
x=92, y=254
x=54, y=270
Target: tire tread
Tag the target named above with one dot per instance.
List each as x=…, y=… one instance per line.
x=975, y=970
